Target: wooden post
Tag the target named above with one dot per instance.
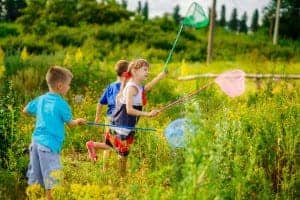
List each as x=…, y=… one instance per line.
x=275, y=36
x=211, y=32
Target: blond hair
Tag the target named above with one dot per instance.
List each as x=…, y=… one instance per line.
x=138, y=63
x=57, y=74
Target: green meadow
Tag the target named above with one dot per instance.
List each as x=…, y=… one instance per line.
x=247, y=147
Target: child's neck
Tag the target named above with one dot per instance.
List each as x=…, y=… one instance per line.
x=54, y=91
x=136, y=81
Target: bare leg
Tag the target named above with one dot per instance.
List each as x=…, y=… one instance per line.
x=101, y=145
x=49, y=195
x=106, y=155
x=122, y=165
x=93, y=146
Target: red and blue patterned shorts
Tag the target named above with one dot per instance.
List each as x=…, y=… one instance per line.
x=120, y=143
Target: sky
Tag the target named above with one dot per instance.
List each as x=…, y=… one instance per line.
x=159, y=7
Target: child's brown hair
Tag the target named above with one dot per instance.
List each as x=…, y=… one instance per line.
x=121, y=66
x=57, y=74
x=135, y=64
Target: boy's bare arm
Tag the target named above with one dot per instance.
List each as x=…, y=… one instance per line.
x=26, y=112
x=149, y=85
x=76, y=122
x=98, y=112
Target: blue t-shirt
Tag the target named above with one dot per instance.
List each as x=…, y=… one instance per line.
x=51, y=112
x=109, y=96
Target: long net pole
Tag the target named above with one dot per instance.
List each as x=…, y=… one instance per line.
x=185, y=98
x=117, y=126
x=232, y=83
x=173, y=47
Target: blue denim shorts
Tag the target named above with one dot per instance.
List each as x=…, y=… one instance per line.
x=42, y=166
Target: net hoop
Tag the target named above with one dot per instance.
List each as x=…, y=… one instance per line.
x=190, y=20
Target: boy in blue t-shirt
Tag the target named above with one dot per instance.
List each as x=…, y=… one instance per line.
x=51, y=112
x=108, y=98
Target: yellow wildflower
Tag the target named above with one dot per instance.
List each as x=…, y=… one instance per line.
x=2, y=70
x=1, y=56
x=67, y=60
x=24, y=54
x=34, y=191
x=184, y=69
x=78, y=56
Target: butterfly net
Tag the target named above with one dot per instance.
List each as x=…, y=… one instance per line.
x=232, y=83
x=195, y=17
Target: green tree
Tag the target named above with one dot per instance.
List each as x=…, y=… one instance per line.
x=139, y=8
x=243, y=24
x=39, y=14
x=176, y=15
x=222, y=21
x=124, y=4
x=2, y=11
x=109, y=13
x=32, y=14
x=289, y=25
x=10, y=10
x=233, y=23
x=254, y=23
x=61, y=12
x=145, y=11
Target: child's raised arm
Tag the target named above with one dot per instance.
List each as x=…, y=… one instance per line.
x=149, y=85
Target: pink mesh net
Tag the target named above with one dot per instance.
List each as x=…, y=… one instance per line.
x=232, y=82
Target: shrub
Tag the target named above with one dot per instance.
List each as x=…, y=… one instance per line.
x=66, y=36
x=8, y=30
x=9, y=115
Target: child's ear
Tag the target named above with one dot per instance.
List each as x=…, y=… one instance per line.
x=133, y=71
x=59, y=85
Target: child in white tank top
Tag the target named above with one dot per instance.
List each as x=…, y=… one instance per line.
x=129, y=108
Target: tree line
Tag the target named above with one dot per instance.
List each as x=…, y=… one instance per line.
x=41, y=13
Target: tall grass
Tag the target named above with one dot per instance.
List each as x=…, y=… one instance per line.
x=244, y=148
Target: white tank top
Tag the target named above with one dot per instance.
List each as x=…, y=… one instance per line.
x=137, y=99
